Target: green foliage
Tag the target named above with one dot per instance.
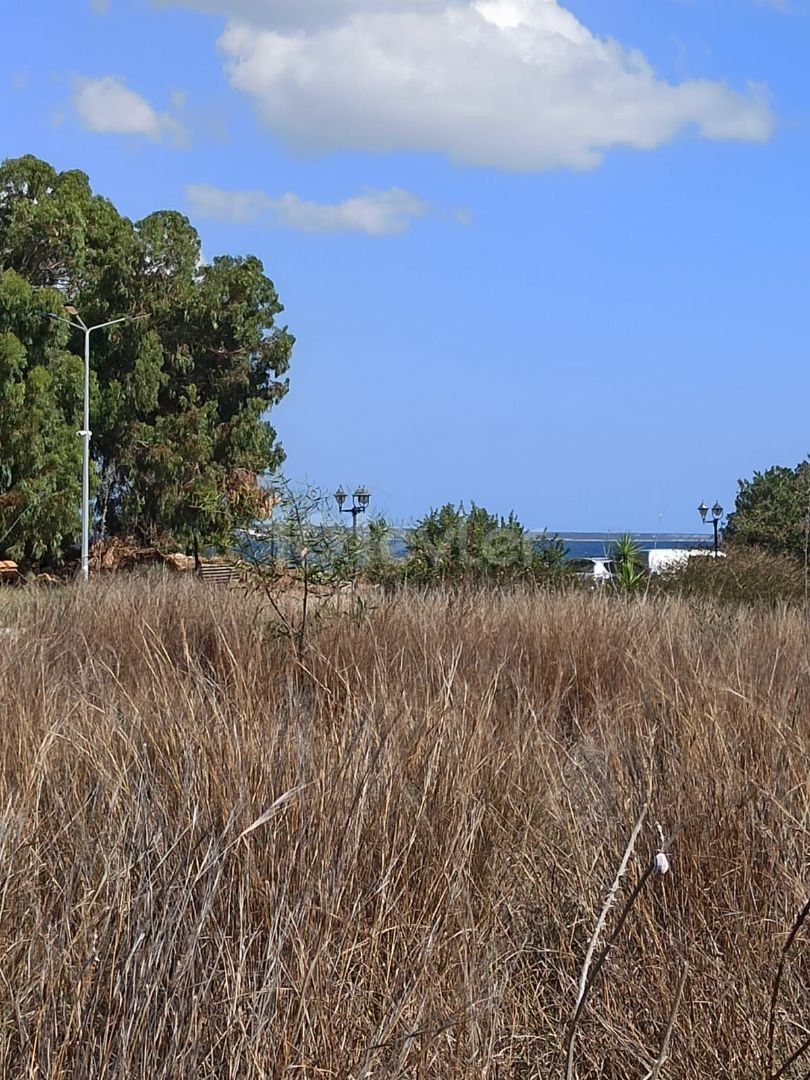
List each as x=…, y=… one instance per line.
x=180, y=399
x=377, y=562
x=452, y=544
x=300, y=533
x=746, y=575
x=630, y=572
x=448, y=545
x=40, y=413
x=772, y=511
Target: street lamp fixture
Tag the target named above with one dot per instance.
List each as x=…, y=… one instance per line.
x=360, y=501
x=717, y=513
x=85, y=433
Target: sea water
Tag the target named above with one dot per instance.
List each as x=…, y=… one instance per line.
x=597, y=545
x=593, y=545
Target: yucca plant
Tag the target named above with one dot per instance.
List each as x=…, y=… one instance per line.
x=630, y=575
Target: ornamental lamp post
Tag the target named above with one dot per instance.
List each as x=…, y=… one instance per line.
x=360, y=501
x=85, y=433
x=717, y=514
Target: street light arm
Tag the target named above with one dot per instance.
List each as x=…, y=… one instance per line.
x=89, y=329
x=113, y=322
x=103, y=325
x=62, y=319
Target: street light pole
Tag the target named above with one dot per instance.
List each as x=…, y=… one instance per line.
x=717, y=514
x=360, y=501
x=85, y=433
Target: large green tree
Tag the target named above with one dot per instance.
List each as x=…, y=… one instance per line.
x=40, y=413
x=773, y=511
x=180, y=398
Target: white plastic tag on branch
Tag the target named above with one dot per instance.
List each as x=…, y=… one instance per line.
x=660, y=864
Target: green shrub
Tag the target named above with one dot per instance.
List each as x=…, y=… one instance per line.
x=745, y=575
x=456, y=545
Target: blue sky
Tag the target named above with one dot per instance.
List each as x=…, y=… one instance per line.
x=548, y=256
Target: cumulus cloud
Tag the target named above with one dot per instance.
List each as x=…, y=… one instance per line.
x=107, y=105
x=518, y=84
x=378, y=213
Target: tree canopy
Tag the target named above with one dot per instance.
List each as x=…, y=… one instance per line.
x=178, y=399
x=773, y=511
x=455, y=544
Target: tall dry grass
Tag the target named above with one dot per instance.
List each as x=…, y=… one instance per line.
x=213, y=864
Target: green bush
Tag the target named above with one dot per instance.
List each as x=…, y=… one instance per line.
x=746, y=575
x=455, y=545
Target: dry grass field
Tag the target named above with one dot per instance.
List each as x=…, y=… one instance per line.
x=390, y=860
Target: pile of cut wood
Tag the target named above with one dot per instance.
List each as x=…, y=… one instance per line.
x=120, y=553
x=9, y=572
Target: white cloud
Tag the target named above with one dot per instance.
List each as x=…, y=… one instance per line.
x=100, y=6
x=518, y=84
x=107, y=105
x=378, y=213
